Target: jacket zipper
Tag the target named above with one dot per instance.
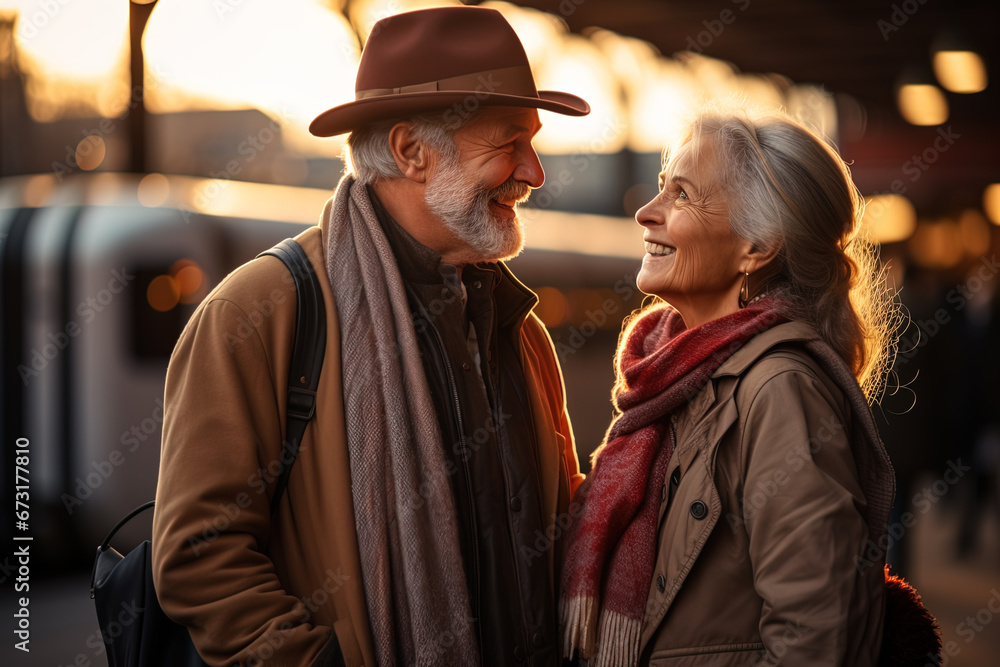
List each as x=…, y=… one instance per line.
x=673, y=485
x=468, y=478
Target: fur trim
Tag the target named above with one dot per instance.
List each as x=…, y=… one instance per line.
x=911, y=636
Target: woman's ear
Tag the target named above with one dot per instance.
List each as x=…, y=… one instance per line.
x=412, y=155
x=759, y=256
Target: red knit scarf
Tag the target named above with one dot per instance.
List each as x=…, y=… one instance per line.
x=611, y=550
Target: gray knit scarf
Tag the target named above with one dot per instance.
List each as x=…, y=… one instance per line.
x=418, y=601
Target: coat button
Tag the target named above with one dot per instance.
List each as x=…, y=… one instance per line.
x=699, y=510
x=538, y=640
x=477, y=284
x=663, y=493
x=661, y=583
x=515, y=504
x=466, y=366
x=519, y=653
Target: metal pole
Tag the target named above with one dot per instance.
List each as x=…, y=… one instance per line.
x=138, y=16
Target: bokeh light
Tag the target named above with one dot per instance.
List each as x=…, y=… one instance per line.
x=90, y=152
x=163, y=293
x=153, y=190
x=960, y=71
x=922, y=104
x=888, y=218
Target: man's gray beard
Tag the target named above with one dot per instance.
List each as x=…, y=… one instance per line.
x=464, y=207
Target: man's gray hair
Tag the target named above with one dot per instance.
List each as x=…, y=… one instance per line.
x=367, y=154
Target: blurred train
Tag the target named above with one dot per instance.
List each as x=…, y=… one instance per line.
x=100, y=272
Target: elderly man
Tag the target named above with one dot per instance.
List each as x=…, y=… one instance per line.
x=423, y=515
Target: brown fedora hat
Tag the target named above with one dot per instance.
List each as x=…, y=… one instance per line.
x=457, y=58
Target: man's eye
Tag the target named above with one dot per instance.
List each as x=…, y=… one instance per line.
x=682, y=195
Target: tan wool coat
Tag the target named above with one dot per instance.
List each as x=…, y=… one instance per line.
x=763, y=553
x=249, y=588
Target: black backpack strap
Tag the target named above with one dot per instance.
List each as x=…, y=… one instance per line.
x=307, y=355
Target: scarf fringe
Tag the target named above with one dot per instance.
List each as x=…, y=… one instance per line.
x=577, y=617
x=617, y=640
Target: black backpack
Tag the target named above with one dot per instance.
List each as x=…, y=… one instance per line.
x=134, y=627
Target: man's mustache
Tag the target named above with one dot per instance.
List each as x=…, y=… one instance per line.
x=511, y=189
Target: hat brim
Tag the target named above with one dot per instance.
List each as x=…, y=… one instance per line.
x=453, y=104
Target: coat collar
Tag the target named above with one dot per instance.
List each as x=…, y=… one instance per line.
x=717, y=394
x=757, y=346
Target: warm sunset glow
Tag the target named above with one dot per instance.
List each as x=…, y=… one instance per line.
x=74, y=56
x=291, y=64
x=815, y=108
x=659, y=110
x=296, y=59
x=578, y=67
x=364, y=14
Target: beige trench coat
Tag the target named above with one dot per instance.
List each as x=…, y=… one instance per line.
x=247, y=587
x=764, y=555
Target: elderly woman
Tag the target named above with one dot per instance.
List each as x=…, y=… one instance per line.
x=736, y=512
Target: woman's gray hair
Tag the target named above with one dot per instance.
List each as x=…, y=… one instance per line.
x=367, y=154
x=786, y=186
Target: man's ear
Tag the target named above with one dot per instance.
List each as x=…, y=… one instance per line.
x=412, y=155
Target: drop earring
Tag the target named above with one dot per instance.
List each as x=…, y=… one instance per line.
x=744, y=299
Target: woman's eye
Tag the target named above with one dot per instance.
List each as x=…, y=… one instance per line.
x=682, y=195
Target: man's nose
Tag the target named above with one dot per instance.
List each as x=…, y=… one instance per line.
x=529, y=169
